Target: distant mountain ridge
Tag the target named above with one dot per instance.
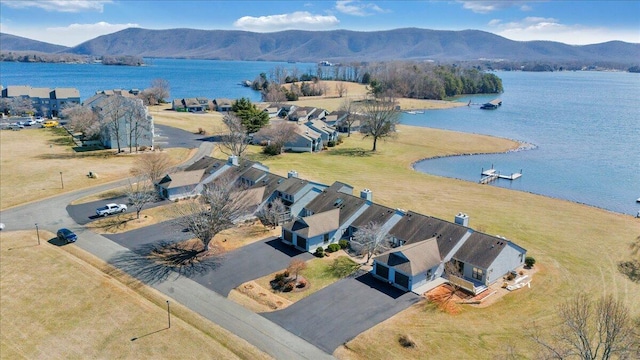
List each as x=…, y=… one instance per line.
x=17, y=43
x=344, y=46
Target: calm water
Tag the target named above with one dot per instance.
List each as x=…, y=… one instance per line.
x=585, y=126
x=187, y=78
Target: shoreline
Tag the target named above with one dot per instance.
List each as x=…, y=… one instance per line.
x=522, y=147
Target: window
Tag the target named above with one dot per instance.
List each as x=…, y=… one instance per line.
x=477, y=274
x=429, y=273
x=326, y=238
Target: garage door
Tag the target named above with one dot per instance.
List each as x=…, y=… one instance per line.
x=382, y=271
x=302, y=242
x=402, y=280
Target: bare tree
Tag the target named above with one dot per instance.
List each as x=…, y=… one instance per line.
x=20, y=105
x=110, y=113
x=278, y=133
x=220, y=206
x=82, y=119
x=274, y=94
x=341, y=88
x=592, y=329
x=348, y=107
x=236, y=141
x=152, y=166
x=371, y=240
x=380, y=119
x=453, y=272
x=273, y=214
x=295, y=266
x=137, y=122
x=140, y=193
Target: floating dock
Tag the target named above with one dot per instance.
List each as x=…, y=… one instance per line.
x=492, y=174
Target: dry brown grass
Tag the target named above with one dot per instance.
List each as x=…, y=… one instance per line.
x=59, y=302
x=211, y=121
x=577, y=247
x=32, y=160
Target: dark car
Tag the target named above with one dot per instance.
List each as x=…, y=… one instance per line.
x=67, y=235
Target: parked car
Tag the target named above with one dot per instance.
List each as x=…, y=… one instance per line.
x=29, y=122
x=15, y=126
x=50, y=123
x=111, y=209
x=66, y=235
x=39, y=120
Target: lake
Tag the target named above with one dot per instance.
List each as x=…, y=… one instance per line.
x=187, y=78
x=585, y=125
x=585, y=128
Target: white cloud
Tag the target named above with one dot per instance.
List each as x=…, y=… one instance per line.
x=71, y=35
x=358, y=8
x=537, y=28
x=484, y=7
x=72, y=6
x=297, y=20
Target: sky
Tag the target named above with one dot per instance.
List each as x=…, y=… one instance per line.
x=71, y=22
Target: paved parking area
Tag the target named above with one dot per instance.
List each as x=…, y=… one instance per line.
x=220, y=274
x=342, y=310
x=86, y=213
x=326, y=319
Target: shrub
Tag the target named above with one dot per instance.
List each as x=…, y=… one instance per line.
x=333, y=248
x=143, y=148
x=288, y=287
x=529, y=261
x=202, y=131
x=406, y=341
x=331, y=143
x=340, y=140
x=343, y=244
x=280, y=276
x=286, y=273
x=272, y=150
x=319, y=252
x=302, y=283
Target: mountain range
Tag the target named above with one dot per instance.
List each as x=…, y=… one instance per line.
x=333, y=46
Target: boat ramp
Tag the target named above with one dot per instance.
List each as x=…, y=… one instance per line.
x=492, y=174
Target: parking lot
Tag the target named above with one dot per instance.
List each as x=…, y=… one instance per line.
x=326, y=318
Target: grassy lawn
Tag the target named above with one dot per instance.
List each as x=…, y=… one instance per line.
x=33, y=159
x=75, y=307
x=319, y=274
x=577, y=247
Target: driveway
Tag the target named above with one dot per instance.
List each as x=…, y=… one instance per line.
x=170, y=137
x=220, y=274
x=342, y=310
x=86, y=213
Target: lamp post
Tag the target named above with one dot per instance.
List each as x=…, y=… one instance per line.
x=61, y=181
x=38, y=233
x=168, y=315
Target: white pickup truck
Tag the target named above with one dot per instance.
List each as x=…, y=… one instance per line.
x=111, y=209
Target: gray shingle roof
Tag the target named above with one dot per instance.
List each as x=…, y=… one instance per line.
x=332, y=198
x=412, y=259
x=375, y=213
x=414, y=227
x=481, y=249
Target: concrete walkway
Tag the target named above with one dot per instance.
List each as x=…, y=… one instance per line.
x=50, y=214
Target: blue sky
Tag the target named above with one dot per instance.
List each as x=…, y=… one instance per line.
x=70, y=22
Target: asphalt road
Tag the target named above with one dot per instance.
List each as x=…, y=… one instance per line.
x=342, y=310
x=267, y=336
x=86, y=212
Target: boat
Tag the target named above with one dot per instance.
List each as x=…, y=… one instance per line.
x=638, y=200
x=413, y=112
x=491, y=105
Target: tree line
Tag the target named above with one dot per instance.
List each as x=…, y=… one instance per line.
x=36, y=57
x=418, y=80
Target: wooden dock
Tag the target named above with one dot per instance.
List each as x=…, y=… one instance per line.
x=492, y=174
